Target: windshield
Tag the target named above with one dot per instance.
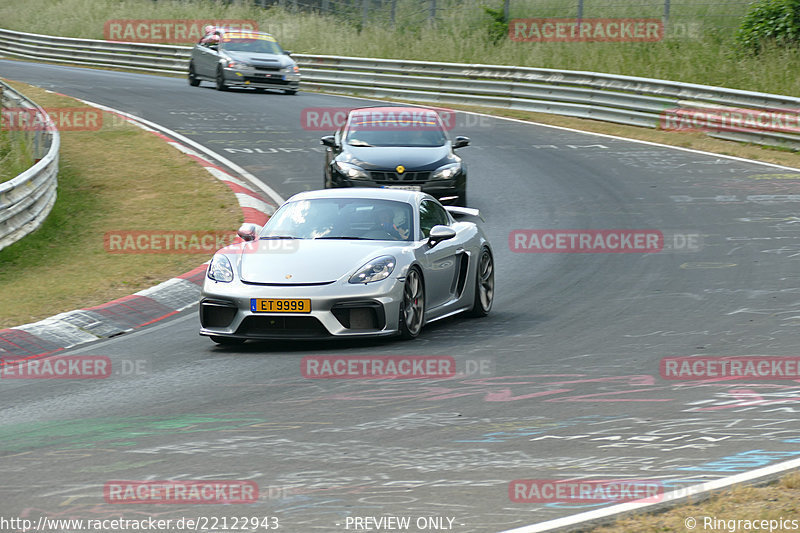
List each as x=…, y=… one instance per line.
x=260, y=44
x=341, y=218
x=395, y=129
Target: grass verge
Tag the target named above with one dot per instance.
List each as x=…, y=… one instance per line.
x=115, y=179
x=702, y=52
x=777, y=501
x=16, y=153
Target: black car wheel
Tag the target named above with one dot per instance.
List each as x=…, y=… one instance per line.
x=193, y=81
x=484, y=285
x=290, y=91
x=461, y=201
x=227, y=341
x=412, y=308
x=221, y=80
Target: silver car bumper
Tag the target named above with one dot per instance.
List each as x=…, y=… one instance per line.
x=339, y=309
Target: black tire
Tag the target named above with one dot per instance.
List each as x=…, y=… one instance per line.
x=193, y=81
x=462, y=199
x=227, y=341
x=290, y=91
x=412, y=307
x=220, y=81
x=484, y=285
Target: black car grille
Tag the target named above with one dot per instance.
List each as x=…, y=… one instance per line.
x=270, y=68
x=395, y=177
x=278, y=326
x=216, y=314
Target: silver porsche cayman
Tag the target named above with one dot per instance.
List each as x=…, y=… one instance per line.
x=349, y=262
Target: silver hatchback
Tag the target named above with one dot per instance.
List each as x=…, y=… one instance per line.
x=243, y=59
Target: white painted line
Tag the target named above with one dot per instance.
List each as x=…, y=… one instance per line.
x=563, y=128
x=672, y=498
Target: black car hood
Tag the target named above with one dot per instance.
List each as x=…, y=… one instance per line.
x=387, y=158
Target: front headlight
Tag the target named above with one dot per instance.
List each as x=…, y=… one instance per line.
x=237, y=65
x=220, y=269
x=291, y=69
x=376, y=270
x=446, y=172
x=351, y=171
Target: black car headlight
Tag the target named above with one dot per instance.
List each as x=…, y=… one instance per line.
x=220, y=269
x=376, y=270
x=446, y=172
x=351, y=171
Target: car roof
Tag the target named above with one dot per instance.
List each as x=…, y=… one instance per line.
x=393, y=109
x=222, y=31
x=371, y=193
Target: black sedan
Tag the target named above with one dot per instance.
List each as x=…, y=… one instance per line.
x=397, y=148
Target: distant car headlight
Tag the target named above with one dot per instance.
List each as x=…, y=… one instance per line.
x=237, y=64
x=291, y=69
x=220, y=269
x=376, y=270
x=446, y=172
x=351, y=171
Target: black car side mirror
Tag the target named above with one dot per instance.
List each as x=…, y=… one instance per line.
x=461, y=142
x=287, y=52
x=439, y=234
x=328, y=140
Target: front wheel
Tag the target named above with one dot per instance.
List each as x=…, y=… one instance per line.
x=412, y=308
x=290, y=91
x=221, y=80
x=193, y=81
x=484, y=285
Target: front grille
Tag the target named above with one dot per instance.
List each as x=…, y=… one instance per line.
x=276, y=80
x=275, y=326
x=395, y=177
x=270, y=68
x=360, y=315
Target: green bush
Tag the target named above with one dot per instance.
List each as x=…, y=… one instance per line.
x=498, y=25
x=770, y=23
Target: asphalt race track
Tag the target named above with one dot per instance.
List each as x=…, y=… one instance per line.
x=570, y=384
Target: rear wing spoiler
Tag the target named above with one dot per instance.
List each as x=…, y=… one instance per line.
x=459, y=212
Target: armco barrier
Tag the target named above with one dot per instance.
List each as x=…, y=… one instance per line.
x=26, y=200
x=607, y=97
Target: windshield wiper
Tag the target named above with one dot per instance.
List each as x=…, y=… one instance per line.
x=269, y=237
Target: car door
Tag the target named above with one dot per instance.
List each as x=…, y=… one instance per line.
x=206, y=62
x=441, y=261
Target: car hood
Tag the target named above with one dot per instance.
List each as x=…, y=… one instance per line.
x=291, y=262
x=261, y=59
x=385, y=158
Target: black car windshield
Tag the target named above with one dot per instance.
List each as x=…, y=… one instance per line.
x=342, y=218
x=261, y=44
x=395, y=129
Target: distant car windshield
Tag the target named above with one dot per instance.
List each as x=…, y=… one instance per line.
x=343, y=219
x=255, y=45
x=402, y=128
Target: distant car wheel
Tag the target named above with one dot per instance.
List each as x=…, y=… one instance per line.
x=221, y=80
x=462, y=199
x=227, y=341
x=290, y=91
x=193, y=81
x=412, y=308
x=484, y=285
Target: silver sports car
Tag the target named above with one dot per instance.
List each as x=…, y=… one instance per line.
x=349, y=262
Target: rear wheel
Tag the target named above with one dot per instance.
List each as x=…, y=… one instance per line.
x=193, y=81
x=227, y=341
x=484, y=285
x=221, y=80
x=290, y=91
x=412, y=308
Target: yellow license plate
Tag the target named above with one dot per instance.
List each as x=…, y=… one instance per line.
x=280, y=305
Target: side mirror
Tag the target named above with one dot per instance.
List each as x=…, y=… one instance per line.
x=439, y=234
x=328, y=140
x=287, y=52
x=461, y=142
x=248, y=232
